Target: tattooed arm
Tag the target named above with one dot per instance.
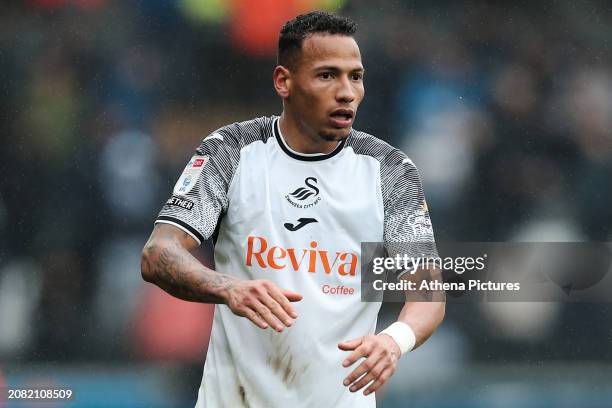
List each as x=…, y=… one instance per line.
x=166, y=262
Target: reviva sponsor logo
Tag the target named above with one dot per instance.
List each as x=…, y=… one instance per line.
x=317, y=260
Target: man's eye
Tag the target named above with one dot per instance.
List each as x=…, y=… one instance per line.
x=357, y=77
x=325, y=75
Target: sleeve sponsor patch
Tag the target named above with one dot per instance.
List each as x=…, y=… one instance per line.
x=190, y=175
x=420, y=221
x=180, y=202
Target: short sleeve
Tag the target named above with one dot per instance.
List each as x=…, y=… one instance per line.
x=199, y=197
x=407, y=226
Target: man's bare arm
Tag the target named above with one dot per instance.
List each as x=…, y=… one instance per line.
x=166, y=262
x=424, y=316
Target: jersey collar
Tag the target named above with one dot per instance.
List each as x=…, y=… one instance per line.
x=303, y=156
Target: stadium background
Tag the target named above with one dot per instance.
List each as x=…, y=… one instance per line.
x=506, y=109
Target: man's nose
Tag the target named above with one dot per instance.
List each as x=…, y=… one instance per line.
x=346, y=91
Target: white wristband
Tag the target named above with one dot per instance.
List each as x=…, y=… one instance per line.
x=403, y=335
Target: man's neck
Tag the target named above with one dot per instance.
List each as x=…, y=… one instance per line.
x=301, y=140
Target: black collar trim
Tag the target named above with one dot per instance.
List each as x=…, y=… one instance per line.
x=303, y=156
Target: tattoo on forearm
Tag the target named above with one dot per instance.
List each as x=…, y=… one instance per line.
x=180, y=274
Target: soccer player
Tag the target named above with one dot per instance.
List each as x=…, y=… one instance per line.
x=288, y=200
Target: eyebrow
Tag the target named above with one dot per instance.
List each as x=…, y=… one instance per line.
x=336, y=69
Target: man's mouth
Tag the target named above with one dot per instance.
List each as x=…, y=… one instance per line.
x=342, y=117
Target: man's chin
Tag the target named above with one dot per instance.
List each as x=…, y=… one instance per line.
x=335, y=136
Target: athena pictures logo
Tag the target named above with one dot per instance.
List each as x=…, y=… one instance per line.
x=305, y=196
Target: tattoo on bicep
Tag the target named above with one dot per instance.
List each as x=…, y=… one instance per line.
x=166, y=231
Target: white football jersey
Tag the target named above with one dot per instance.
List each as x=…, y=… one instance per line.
x=297, y=220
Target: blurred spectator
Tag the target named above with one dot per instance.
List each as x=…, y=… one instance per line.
x=20, y=291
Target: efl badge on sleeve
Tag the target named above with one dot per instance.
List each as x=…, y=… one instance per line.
x=190, y=175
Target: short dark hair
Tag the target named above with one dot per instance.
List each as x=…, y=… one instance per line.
x=294, y=32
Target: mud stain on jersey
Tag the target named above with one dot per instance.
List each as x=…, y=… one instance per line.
x=243, y=398
x=283, y=361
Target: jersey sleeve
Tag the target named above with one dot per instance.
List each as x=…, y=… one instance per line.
x=199, y=197
x=407, y=226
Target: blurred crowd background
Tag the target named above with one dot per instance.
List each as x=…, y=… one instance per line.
x=505, y=108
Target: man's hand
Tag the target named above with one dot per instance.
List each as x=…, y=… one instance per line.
x=166, y=261
x=263, y=303
x=381, y=354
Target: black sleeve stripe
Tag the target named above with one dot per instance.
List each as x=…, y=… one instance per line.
x=183, y=224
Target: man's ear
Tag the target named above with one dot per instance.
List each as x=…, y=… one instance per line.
x=282, y=81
